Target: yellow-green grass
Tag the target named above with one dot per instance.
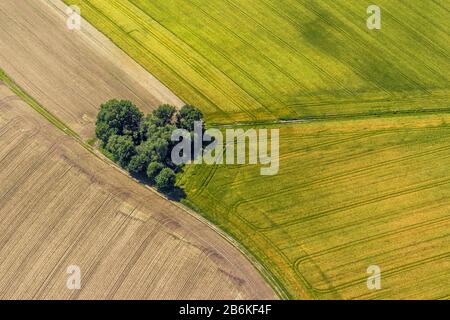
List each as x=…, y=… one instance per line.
x=265, y=59
x=349, y=194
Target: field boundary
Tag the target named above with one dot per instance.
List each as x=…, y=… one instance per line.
x=35, y=105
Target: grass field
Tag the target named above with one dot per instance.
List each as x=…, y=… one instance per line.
x=349, y=194
x=260, y=59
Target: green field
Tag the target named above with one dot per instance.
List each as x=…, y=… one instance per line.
x=265, y=59
x=365, y=181
x=349, y=194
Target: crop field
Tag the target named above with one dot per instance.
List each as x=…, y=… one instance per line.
x=363, y=177
x=368, y=184
x=62, y=206
x=70, y=72
x=261, y=59
x=349, y=194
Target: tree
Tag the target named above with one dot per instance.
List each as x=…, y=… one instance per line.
x=118, y=117
x=187, y=116
x=155, y=150
x=161, y=149
x=141, y=144
x=152, y=129
x=163, y=114
x=153, y=170
x=165, y=180
x=122, y=149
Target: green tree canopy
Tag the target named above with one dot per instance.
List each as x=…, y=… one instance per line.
x=138, y=163
x=122, y=149
x=186, y=117
x=165, y=180
x=118, y=117
x=141, y=144
x=153, y=170
x=164, y=114
x=151, y=131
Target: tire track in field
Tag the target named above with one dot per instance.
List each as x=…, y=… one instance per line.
x=378, y=236
x=123, y=222
x=266, y=58
x=353, y=205
x=81, y=233
x=386, y=274
x=350, y=20
x=292, y=49
x=338, y=177
x=247, y=75
x=366, y=50
x=60, y=184
x=293, y=153
x=360, y=222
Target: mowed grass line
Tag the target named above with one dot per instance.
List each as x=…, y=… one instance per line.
x=36, y=105
x=378, y=168
x=253, y=60
x=33, y=103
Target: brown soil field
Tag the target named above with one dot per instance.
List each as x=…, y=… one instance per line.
x=60, y=205
x=70, y=72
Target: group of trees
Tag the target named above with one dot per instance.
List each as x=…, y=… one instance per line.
x=141, y=144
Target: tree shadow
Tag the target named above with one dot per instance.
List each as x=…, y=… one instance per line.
x=176, y=194
x=142, y=178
